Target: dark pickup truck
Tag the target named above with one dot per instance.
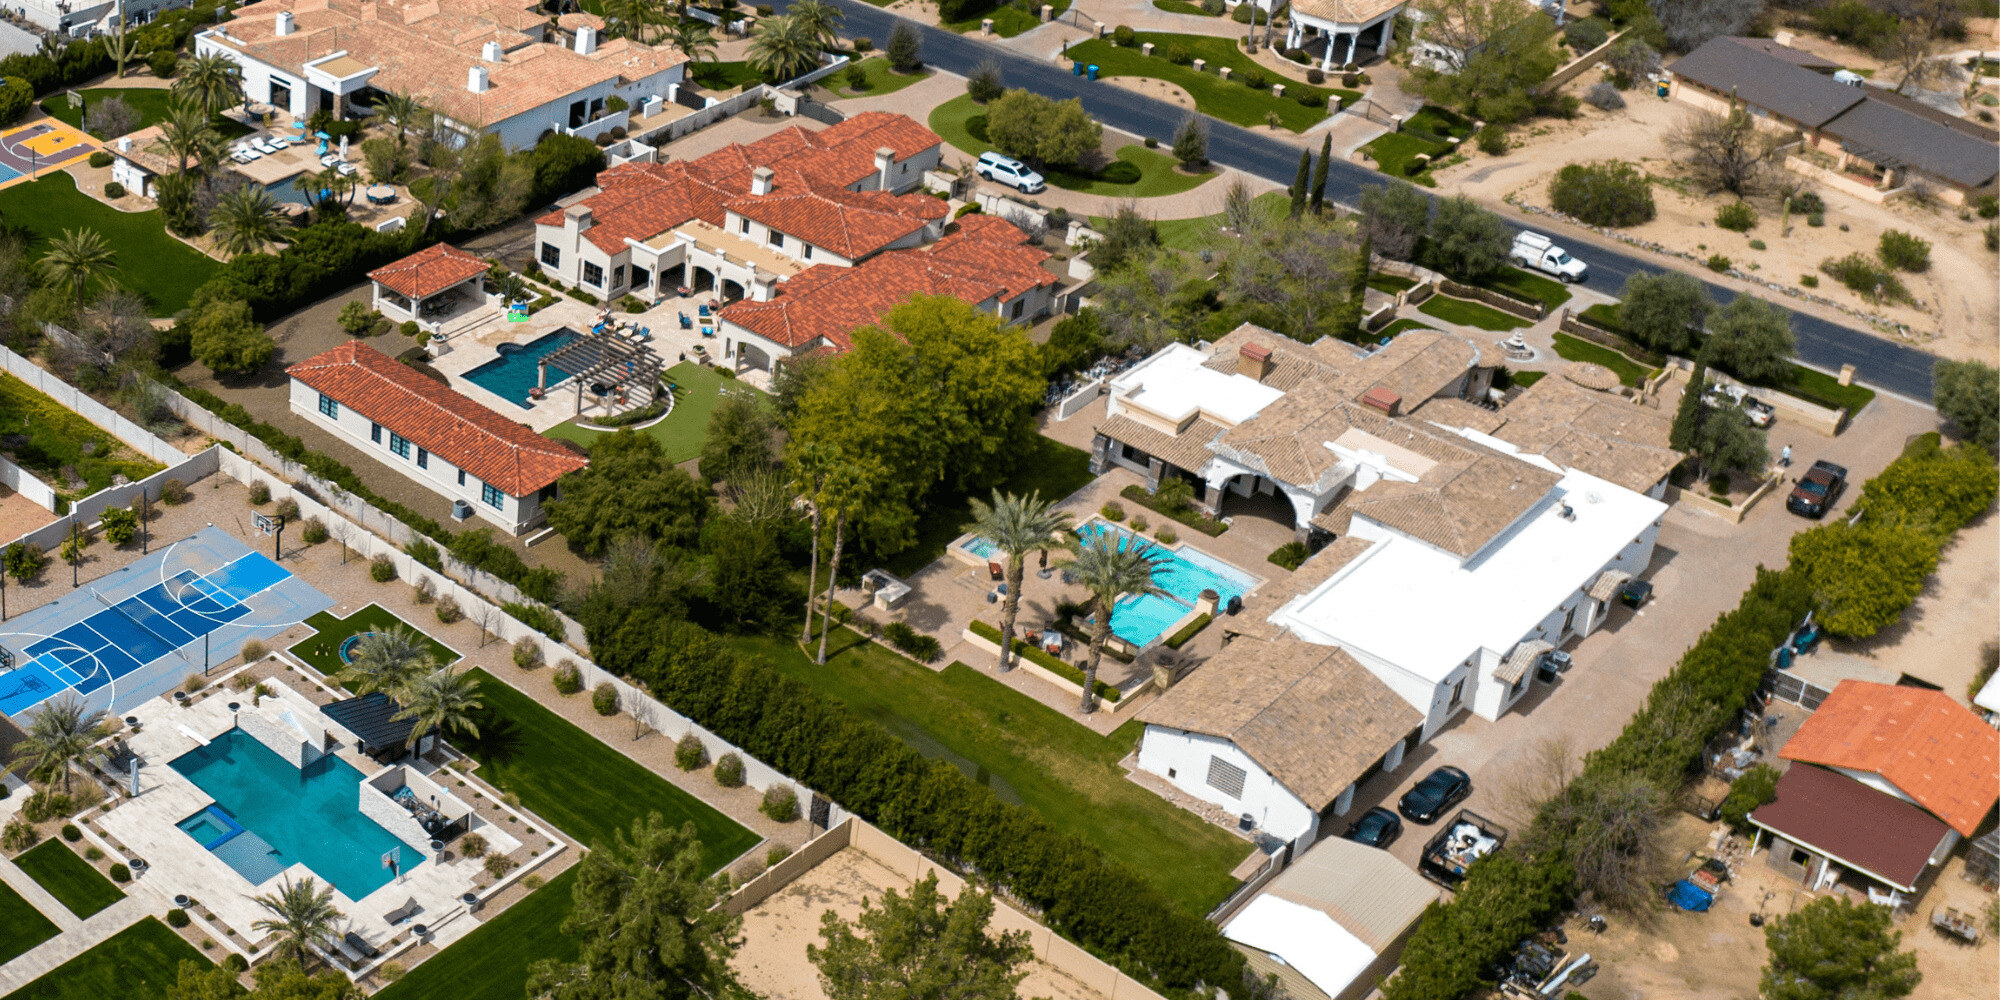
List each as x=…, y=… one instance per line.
x=1467, y=838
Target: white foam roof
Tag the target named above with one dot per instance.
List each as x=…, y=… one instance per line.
x=1176, y=383
x=1306, y=939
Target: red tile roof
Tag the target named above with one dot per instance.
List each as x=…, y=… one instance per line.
x=1921, y=741
x=499, y=451
x=1861, y=827
x=852, y=224
x=429, y=271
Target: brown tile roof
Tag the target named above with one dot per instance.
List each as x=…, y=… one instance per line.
x=1459, y=413
x=1861, y=827
x=1188, y=449
x=1310, y=715
x=499, y=451
x=429, y=271
x=145, y=152
x=1463, y=509
x=1603, y=434
x=1346, y=11
x=1921, y=741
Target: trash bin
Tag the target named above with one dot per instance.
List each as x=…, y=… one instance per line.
x=1076, y=69
x=1093, y=71
x=1660, y=88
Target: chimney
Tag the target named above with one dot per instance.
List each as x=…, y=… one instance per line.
x=1382, y=399
x=763, y=285
x=760, y=180
x=586, y=40
x=884, y=159
x=491, y=52
x=475, y=79
x=285, y=22
x=577, y=217
x=1254, y=360
x=125, y=144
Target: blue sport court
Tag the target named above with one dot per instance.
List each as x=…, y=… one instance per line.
x=134, y=634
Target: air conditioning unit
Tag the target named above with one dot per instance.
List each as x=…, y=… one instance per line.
x=460, y=510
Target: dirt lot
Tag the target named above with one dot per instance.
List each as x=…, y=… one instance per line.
x=1960, y=316
x=1939, y=639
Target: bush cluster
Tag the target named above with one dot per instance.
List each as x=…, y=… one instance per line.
x=1861, y=274
x=539, y=617
x=1607, y=193
x=1904, y=251
x=1737, y=217
x=916, y=644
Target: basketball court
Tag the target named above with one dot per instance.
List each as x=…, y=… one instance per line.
x=135, y=634
x=38, y=147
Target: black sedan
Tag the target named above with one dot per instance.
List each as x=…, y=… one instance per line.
x=1817, y=490
x=1433, y=795
x=1378, y=827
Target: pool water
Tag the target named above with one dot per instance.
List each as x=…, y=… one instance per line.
x=288, y=190
x=518, y=367
x=1183, y=575
x=286, y=816
x=982, y=548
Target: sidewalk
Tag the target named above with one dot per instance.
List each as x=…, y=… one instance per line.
x=73, y=941
x=38, y=897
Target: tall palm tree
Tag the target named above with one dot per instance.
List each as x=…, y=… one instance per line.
x=694, y=40
x=820, y=18
x=845, y=491
x=63, y=733
x=784, y=48
x=1111, y=564
x=212, y=82
x=246, y=220
x=302, y=914
x=1017, y=526
x=187, y=134
x=387, y=661
x=441, y=700
x=402, y=109
x=77, y=256
x=809, y=467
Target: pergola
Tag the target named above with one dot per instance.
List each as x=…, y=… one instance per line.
x=427, y=286
x=605, y=360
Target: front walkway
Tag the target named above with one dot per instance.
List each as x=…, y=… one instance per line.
x=75, y=940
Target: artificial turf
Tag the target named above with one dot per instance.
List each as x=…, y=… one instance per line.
x=50, y=439
x=1159, y=176
x=1049, y=467
x=21, y=925
x=491, y=963
x=1576, y=349
x=879, y=78
x=150, y=263
x=151, y=104
x=69, y=878
x=141, y=962
x=697, y=390
x=1027, y=753
x=322, y=648
x=1230, y=100
x=1526, y=286
x=1466, y=313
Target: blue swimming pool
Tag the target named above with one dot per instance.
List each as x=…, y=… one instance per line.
x=518, y=367
x=288, y=190
x=1184, y=575
x=269, y=815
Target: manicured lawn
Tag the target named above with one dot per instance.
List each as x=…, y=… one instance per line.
x=491, y=963
x=1466, y=313
x=1008, y=21
x=1629, y=371
x=726, y=76
x=69, y=878
x=1819, y=387
x=1524, y=285
x=322, y=648
x=1159, y=175
x=1393, y=152
x=952, y=121
x=1181, y=7
x=1400, y=327
x=1051, y=468
x=141, y=962
x=1027, y=753
x=1526, y=379
x=151, y=263
x=1229, y=100
x=1390, y=284
x=21, y=925
x=58, y=439
x=881, y=79
x=150, y=103
x=697, y=388
x=1189, y=234
x=1605, y=315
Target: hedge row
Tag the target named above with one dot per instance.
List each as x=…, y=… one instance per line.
x=1035, y=655
x=1186, y=515
x=1189, y=631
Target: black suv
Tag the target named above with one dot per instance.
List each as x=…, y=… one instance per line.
x=1817, y=490
x=1433, y=795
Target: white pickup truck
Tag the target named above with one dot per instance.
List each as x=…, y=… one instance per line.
x=1533, y=250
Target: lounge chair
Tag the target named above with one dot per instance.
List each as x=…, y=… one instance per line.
x=262, y=146
x=359, y=945
x=279, y=141
x=329, y=159
x=250, y=154
x=403, y=913
x=347, y=169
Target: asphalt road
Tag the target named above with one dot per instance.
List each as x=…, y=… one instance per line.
x=1822, y=344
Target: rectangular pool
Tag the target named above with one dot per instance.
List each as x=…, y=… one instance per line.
x=1185, y=573
x=518, y=368
x=269, y=815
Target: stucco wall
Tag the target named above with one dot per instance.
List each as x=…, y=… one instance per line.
x=1183, y=759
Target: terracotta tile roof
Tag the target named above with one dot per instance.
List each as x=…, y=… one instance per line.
x=642, y=200
x=485, y=444
x=429, y=271
x=1310, y=715
x=1929, y=746
x=1861, y=827
x=853, y=224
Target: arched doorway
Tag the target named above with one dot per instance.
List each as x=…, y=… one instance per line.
x=704, y=279
x=749, y=355
x=731, y=289
x=1247, y=495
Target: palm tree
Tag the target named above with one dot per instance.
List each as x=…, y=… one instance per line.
x=187, y=133
x=63, y=733
x=1111, y=564
x=784, y=48
x=820, y=18
x=213, y=82
x=402, y=109
x=1016, y=526
x=77, y=256
x=246, y=220
x=844, y=492
x=387, y=661
x=331, y=187
x=304, y=915
x=512, y=287
x=441, y=700
x=633, y=17
x=809, y=468
x=694, y=40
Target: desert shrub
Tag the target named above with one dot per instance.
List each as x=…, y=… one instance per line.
x=178, y=918
x=382, y=569
x=729, y=771
x=1605, y=97
x=1992, y=235
x=498, y=865
x=780, y=803
x=314, y=531
x=527, y=653
x=1607, y=193
x=1113, y=511
x=1737, y=217
x=1582, y=36
x=424, y=592
x=567, y=679
x=1816, y=220
x=18, y=836
x=1717, y=263
x=777, y=853
x=44, y=805
x=604, y=699
x=1809, y=280
x=690, y=752
x=449, y=612
x=1808, y=203
x=1988, y=206
x=71, y=833
x=918, y=645
x=120, y=873
x=1757, y=245
x=1864, y=276
x=260, y=493
x=1139, y=523
x=425, y=553
x=173, y=493
x=864, y=44
x=472, y=845
x=93, y=854
x=1904, y=251
x=1493, y=139
x=113, y=189
x=253, y=651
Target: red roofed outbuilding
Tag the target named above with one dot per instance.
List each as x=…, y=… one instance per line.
x=430, y=286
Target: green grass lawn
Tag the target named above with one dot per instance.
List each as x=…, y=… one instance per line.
x=1393, y=152
x=1181, y=7
x=726, y=76
x=1826, y=390
x=1466, y=313
x=1051, y=468
x=1008, y=21
x=491, y=963
x=1527, y=286
x=697, y=388
x=151, y=263
x=952, y=121
x=69, y=878
x=1605, y=314
x=150, y=103
x=141, y=962
x=21, y=925
x=1027, y=753
x=1390, y=284
x=1189, y=234
x=322, y=648
x=880, y=79
x=1229, y=100
x=1628, y=371
x=1400, y=327
x=1526, y=379
x=56, y=440
x=1159, y=176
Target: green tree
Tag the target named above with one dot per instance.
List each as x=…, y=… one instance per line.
x=748, y=577
x=1301, y=181
x=783, y=48
x=387, y=661
x=228, y=339
x=739, y=439
x=201, y=981
x=904, y=52
x=1863, y=576
x=1937, y=489
x=1111, y=565
x=1607, y=193
x=645, y=923
x=1467, y=241
x=1394, y=216
x=442, y=700
x=1751, y=339
x=405, y=112
x=63, y=733
x=1832, y=949
x=1968, y=396
x=629, y=488
x=808, y=465
x=1726, y=441
x=76, y=257
x=1191, y=143
x=1127, y=237
x=1664, y=311
x=491, y=187
x=246, y=220
x=187, y=134
x=1156, y=297
x=212, y=82
x=302, y=916
x=16, y=96
x=1041, y=130
x=1296, y=270
x=1016, y=526
x=1689, y=413
x=920, y=947
x=694, y=39
x=1757, y=787
x=1493, y=52
x=1505, y=898
x=819, y=18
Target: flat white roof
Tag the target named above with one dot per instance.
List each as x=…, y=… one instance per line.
x=1306, y=939
x=1175, y=383
x=1420, y=608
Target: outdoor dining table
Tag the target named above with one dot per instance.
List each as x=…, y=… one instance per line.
x=1953, y=922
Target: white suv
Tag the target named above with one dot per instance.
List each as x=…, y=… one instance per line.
x=1011, y=172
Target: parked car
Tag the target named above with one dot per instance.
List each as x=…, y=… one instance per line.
x=1817, y=490
x=1378, y=827
x=1439, y=790
x=1011, y=172
x=1538, y=252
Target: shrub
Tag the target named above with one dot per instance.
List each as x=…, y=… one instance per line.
x=498, y=865
x=1213, y=8
x=253, y=651
x=1140, y=523
x=1864, y=276
x=260, y=493
x=1124, y=37
x=604, y=698
x=1178, y=54
x=1241, y=15
x=120, y=525
x=1756, y=244
x=905, y=50
x=71, y=833
x=864, y=44
x=25, y=561
x=449, y=612
x=1808, y=203
x=1253, y=78
x=382, y=569
x=1582, y=36
x=780, y=803
x=1166, y=536
x=163, y=63
x=1904, y=251
x=1493, y=139
x=856, y=79
x=1988, y=206
x=472, y=845
x=1290, y=555
x=539, y=617
x=1757, y=787
x=1809, y=280
x=729, y=771
x=1816, y=220
x=100, y=159
x=690, y=752
x=1315, y=76
x=424, y=552
x=1113, y=511
x=93, y=854
x=410, y=329
x=114, y=190
x=45, y=804
x=567, y=679
x=527, y=653
x=424, y=592
x=1605, y=97
x=1992, y=235
x=178, y=918
x=236, y=963
x=173, y=493
x=120, y=873
x=916, y=644
x=18, y=836
x=777, y=853
x=1737, y=217
x=1608, y=193
x=1717, y=263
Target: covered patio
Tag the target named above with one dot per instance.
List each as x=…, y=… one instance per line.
x=434, y=287
x=1342, y=32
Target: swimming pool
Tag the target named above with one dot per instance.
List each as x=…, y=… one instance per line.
x=287, y=190
x=1183, y=575
x=518, y=367
x=269, y=815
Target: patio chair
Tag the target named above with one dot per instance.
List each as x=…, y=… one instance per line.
x=359, y=945
x=403, y=913
x=251, y=154
x=702, y=309
x=686, y=323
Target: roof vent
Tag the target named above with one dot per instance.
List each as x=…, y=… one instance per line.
x=286, y=22
x=491, y=52
x=1382, y=399
x=1568, y=512
x=1253, y=360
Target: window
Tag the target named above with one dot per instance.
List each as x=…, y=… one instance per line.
x=492, y=495
x=1457, y=692
x=1019, y=304
x=593, y=275
x=423, y=459
x=328, y=407
x=551, y=256
x=399, y=445
x=777, y=238
x=548, y=493
x=618, y=276
x=461, y=477
x=1225, y=777
x=375, y=433
x=808, y=250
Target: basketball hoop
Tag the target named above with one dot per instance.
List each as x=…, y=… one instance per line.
x=267, y=523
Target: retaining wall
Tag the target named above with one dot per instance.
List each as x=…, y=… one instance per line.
x=1576, y=66
x=1504, y=303
x=25, y=483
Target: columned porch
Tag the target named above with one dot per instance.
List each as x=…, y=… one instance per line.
x=1339, y=43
